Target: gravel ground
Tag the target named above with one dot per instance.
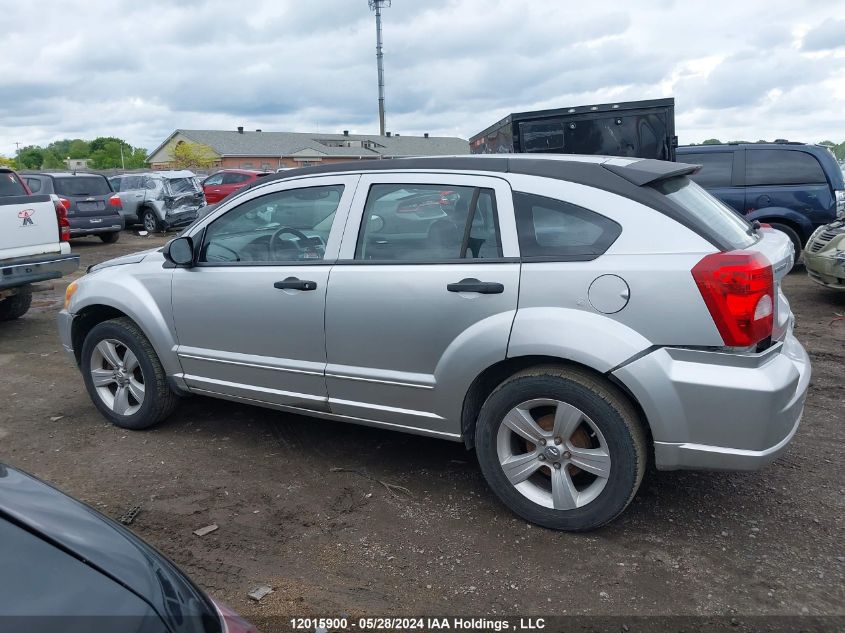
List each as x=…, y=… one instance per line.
x=339, y=541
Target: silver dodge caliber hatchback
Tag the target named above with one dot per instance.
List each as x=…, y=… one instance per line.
x=568, y=317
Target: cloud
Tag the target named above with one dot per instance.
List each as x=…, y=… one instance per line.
x=828, y=35
x=139, y=70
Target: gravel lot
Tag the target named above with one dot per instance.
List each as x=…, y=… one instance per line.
x=338, y=541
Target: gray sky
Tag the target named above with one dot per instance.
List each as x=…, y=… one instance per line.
x=745, y=69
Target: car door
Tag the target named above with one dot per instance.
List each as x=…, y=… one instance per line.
x=131, y=194
x=422, y=298
x=212, y=186
x=249, y=314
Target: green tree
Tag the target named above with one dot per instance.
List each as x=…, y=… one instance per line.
x=7, y=162
x=106, y=154
x=31, y=157
x=51, y=161
x=79, y=149
x=712, y=141
x=187, y=155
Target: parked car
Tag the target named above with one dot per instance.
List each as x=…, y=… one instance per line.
x=92, y=207
x=824, y=257
x=569, y=317
x=160, y=200
x=76, y=570
x=794, y=187
x=219, y=185
x=34, y=234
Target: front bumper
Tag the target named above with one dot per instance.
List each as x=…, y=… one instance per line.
x=27, y=270
x=720, y=411
x=65, y=324
x=824, y=256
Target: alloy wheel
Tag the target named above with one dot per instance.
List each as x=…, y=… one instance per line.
x=117, y=377
x=553, y=454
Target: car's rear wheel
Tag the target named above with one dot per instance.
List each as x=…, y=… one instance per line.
x=792, y=235
x=150, y=221
x=110, y=238
x=561, y=448
x=17, y=305
x=124, y=376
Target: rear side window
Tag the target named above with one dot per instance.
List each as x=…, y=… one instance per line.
x=418, y=223
x=10, y=185
x=34, y=184
x=82, y=186
x=716, y=168
x=233, y=179
x=554, y=230
x=179, y=186
x=705, y=210
x=782, y=167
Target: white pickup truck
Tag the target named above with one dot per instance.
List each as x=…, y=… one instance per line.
x=34, y=234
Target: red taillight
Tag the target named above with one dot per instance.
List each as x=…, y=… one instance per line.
x=233, y=623
x=61, y=218
x=739, y=290
x=115, y=201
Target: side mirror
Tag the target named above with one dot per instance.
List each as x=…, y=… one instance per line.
x=180, y=251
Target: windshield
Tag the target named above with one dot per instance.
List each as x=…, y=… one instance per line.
x=707, y=210
x=10, y=185
x=82, y=186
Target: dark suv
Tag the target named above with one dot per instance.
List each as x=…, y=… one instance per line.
x=92, y=207
x=794, y=187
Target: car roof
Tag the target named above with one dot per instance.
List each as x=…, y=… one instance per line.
x=61, y=174
x=786, y=145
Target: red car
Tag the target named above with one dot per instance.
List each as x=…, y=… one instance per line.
x=219, y=185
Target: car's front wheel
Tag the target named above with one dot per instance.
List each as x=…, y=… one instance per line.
x=110, y=238
x=561, y=448
x=124, y=376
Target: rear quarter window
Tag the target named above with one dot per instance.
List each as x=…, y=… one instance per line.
x=10, y=185
x=554, y=230
x=702, y=209
x=782, y=167
x=716, y=168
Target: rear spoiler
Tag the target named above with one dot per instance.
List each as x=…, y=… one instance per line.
x=649, y=170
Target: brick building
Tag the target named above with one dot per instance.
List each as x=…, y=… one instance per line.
x=241, y=149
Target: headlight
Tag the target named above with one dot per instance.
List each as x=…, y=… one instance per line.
x=840, y=203
x=71, y=290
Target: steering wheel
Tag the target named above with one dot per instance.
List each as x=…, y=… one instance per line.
x=275, y=237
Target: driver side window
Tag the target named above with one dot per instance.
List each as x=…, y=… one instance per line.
x=285, y=226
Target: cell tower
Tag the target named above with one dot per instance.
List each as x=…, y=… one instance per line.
x=376, y=5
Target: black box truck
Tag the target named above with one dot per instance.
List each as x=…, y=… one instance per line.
x=644, y=129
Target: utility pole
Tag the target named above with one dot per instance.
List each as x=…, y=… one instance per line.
x=122, y=162
x=18, y=154
x=376, y=5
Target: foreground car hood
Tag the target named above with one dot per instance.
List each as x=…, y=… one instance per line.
x=132, y=258
x=104, y=545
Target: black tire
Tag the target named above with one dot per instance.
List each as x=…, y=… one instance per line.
x=158, y=401
x=608, y=409
x=793, y=237
x=110, y=238
x=150, y=221
x=17, y=305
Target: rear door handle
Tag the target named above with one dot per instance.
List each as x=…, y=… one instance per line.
x=473, y=285
x=292, y=283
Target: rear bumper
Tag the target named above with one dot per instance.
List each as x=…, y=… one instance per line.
x=92, y=225
x=183, y=218
x=28, y=270
x=719, y=411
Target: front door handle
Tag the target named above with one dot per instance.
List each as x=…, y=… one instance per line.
x=473, y=285
x=292, y=283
